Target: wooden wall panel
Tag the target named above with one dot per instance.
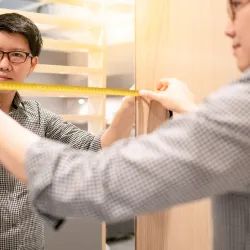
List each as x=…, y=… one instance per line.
x=182, y=39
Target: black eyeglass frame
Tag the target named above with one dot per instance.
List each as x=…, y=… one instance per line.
x=9, y=52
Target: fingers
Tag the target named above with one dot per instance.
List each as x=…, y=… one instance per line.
x=161, y=87
x=129, y=98
x=163, y=84
x=150, y=95
x=154, y=95
x=158, y=86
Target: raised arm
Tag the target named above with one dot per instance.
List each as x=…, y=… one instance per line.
x=63, y=131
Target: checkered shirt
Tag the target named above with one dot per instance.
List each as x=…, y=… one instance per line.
x=21, y=228
x=197, y=155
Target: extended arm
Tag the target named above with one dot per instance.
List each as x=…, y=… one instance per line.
x=121, y=126
x=194, y=156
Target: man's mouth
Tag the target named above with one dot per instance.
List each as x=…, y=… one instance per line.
x=235, y=47
x=5, y=78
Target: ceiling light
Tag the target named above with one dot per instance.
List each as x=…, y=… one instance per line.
x=81, y=101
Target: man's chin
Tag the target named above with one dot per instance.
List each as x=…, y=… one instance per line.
x=243, y=65
x=6, y=92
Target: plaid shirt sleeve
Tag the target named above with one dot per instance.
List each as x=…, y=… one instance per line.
x=63, y=131
x=197, y=155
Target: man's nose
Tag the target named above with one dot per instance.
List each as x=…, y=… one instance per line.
x=5, y=63
x=229, y=30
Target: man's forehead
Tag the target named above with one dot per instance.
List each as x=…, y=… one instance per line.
x=11, y=41
x=14, y=48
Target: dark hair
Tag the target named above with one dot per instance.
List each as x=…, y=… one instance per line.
x=19, y=24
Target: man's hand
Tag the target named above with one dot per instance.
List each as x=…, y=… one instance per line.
x=122, y=123
x=173, y=94
x=129, y=101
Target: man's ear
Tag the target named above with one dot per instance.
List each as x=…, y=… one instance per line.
x=34, y=62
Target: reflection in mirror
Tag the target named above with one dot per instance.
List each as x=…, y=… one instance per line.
x=85, y=43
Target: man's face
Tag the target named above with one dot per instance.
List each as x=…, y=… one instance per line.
x=15, y=71
x=238, y=30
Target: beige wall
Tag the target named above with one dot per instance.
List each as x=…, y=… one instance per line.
x=182, y=39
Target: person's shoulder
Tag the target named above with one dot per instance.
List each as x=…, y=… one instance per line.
x=31, y=106
x=230, y=102
x=34, y=109
x=236, y=90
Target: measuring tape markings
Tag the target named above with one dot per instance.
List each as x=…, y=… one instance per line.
x=69, y=89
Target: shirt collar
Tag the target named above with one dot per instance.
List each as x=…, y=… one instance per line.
x=246, y=73
x=17, y=101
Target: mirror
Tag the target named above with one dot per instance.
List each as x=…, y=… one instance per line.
x=92, y=43
x=86, y=43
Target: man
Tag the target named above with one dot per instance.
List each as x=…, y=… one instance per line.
x=196, y=155
x=20, y=46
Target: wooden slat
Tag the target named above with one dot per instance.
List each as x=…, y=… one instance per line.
x=74, y=2
x=120, y=2
x=81, y=117
x=96, y=2
x=121, y=6
x=68, y=46
x=68, y=70
x=57, y=21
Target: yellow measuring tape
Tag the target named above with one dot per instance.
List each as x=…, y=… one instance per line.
x=66, y=89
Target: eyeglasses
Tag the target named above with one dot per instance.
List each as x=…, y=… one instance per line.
x=16, y=56
x=235, y=7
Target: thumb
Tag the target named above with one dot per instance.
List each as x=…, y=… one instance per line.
x=149, y=94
